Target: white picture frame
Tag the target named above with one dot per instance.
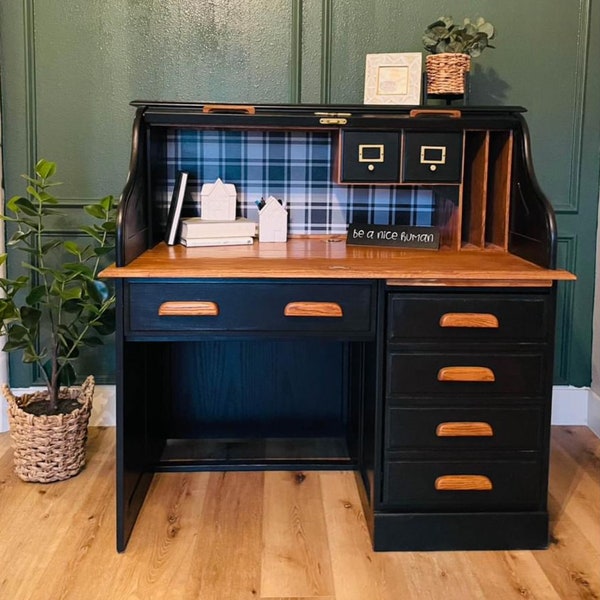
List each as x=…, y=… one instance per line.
x=393, y=78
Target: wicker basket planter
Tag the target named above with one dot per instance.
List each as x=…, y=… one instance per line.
x=49, y=447
x=446, y=73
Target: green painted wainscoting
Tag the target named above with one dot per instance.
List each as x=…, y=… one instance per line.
x=69, y=70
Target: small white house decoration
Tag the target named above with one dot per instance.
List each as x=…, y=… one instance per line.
x=272, y=221
x=217, y=201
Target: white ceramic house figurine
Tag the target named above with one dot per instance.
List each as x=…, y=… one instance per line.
x=272, y=221
x=217, y=201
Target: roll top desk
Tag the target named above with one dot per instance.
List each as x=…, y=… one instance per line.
x=428, y=373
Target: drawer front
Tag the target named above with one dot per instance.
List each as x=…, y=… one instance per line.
x=433, y=485
x=463, y=428
x=432, y=157
x=484, y=317
x=286, y=307
x=370, y=157
x=467, y=374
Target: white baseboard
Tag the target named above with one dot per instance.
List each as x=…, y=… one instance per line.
x=570, y=406
x=593, y=421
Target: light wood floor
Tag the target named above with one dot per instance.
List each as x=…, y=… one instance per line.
x=269, y=535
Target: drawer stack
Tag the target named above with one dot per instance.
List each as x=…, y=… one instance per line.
x=466, y=411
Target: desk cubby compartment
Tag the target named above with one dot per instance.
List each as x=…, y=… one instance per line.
x=432, y=157
x=487, y=189
x=474, y=485
x=449, y=427
x=369, y=157
x=468, y=316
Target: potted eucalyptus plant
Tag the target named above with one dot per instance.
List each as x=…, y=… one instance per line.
x=451, y=48
x=49, y=314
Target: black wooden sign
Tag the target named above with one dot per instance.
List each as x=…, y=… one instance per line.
x=400, y=236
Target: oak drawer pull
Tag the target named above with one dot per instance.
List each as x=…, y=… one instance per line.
x=188, y=308
x=484, y=320
x=313, y=309
x=464, y=429
x=483, y=374
x=463, y=483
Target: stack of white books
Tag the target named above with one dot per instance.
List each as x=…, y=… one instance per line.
x=197, y=232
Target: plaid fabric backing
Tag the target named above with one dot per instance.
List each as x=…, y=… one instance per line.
x=295, y=167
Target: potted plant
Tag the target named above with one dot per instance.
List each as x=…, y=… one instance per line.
x=49, y=314
x=451, y=49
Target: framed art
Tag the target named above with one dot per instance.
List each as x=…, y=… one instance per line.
x=393, y=78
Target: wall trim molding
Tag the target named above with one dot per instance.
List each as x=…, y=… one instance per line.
x=570, y=406
x=326, y=49
x=577, y=113
x=296, y=53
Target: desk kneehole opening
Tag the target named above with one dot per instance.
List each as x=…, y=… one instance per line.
x=463, y=483
x=313, y=309
x=191, y=308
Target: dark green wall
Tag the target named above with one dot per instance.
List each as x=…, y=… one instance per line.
x=69, y=70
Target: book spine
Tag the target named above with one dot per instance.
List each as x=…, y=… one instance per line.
x=219, y=241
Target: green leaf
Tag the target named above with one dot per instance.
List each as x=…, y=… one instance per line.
x=50, y=246
x=106, y=325
x=95, y=211
x=30, y=317
x=45, y=168
x=72, y=306
x=25, y=205
x=37, y=294
x=72, y=248
x=3, y=258
x=93, y=341
x=103, y=250
x=11, y=346
x=72, y=293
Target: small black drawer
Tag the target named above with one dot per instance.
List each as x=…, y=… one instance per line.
x=465, y=374
x=432, y=157
x=482, y=317
x=196, y=305
x=453, y=428
x=370, y=157
x=437, y=485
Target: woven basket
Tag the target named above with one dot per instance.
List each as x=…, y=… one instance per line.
x=49, y=447
x=446, y=73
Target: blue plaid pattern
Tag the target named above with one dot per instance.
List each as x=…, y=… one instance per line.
x=295, y=167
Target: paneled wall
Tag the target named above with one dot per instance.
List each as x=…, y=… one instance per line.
x=69, y=70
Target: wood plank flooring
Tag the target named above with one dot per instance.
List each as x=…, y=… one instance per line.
x=274, y=535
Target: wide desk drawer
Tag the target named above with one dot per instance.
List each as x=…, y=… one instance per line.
x=282, y=306
x=477, y=316
x=451, y=428
x=462, y=485
x=467, y=374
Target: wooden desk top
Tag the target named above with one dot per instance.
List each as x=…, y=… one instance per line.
x=331, y=258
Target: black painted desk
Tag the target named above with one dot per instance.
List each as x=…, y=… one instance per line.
x=428, y=373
